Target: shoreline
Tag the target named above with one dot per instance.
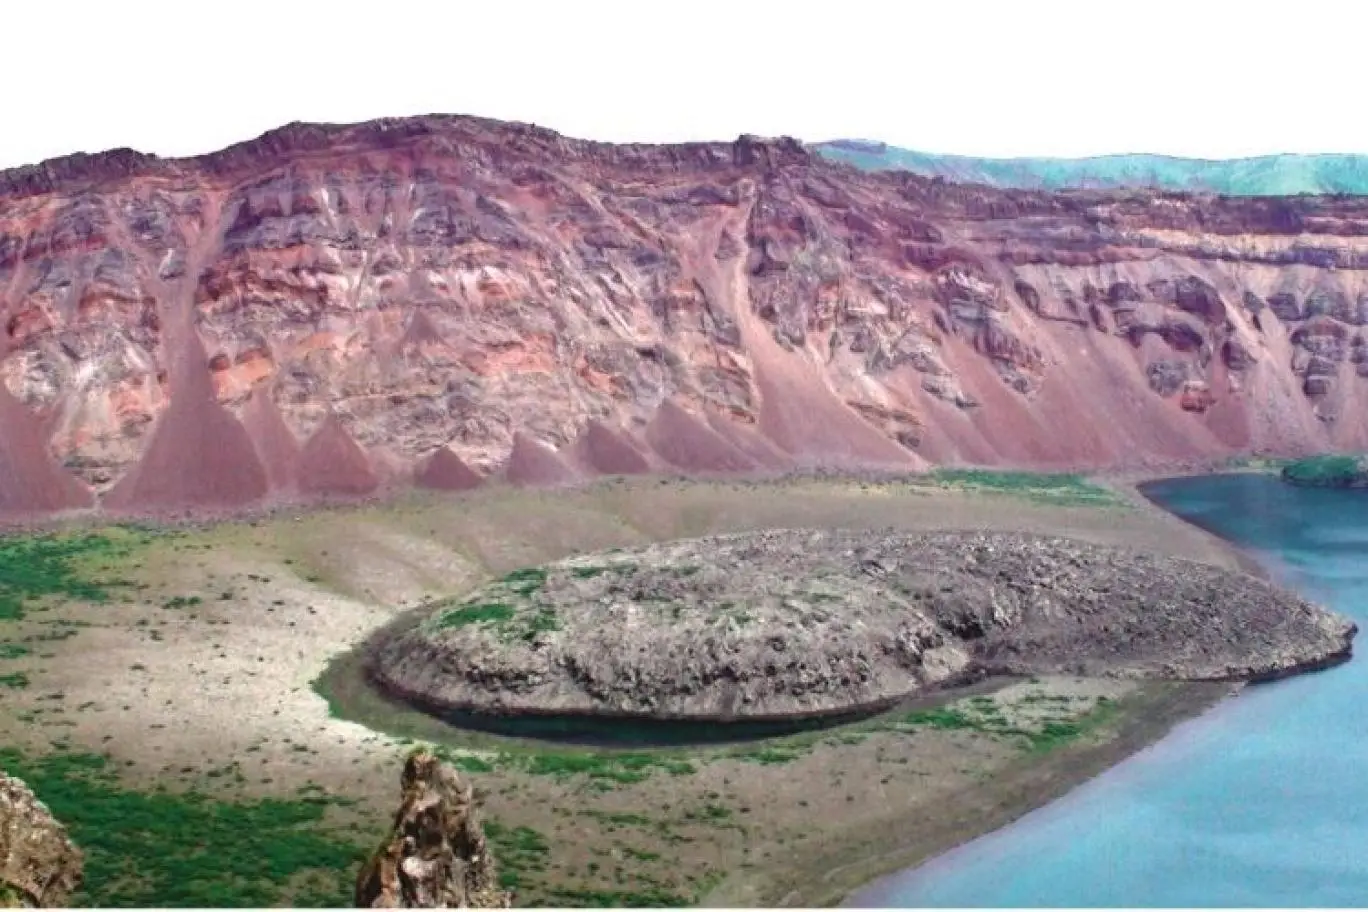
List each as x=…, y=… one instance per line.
x=1033, y=784
x=838, y=885
x=1029, y=785
x=230, y=674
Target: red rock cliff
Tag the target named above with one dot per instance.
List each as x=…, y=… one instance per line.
x=455, y=282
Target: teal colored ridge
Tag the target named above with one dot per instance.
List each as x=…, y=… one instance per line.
x=1265, y=175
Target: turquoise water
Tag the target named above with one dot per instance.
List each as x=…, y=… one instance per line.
x=1261, y=802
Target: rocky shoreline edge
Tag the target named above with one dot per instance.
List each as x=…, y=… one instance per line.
x=1039, y=781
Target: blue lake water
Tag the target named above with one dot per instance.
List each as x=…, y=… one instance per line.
x=1261, y=802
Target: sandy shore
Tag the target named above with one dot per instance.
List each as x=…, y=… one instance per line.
x=174, y=693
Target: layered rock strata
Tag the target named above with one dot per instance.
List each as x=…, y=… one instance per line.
x=320, y=311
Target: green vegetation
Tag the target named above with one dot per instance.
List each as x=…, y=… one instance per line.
x=986, y=717
x=517, y=852
x=1060, y=489
x=467, y=763
x=651, y=898
x=543, y=620
x=621, y=768
x=589, y=572
x=511, y=621
x=1265, y=463
x=15, y=680
x=32, y=567
x=477, y=613
x=525, y=581
x=604, y=767
x=1329, y=471
x=978, y=714
x=773, y=755
x=179, y=850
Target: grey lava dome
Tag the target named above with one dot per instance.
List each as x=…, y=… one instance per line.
x=805, y=623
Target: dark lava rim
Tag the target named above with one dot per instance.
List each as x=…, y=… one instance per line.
x=629, y=729
x=354, y=695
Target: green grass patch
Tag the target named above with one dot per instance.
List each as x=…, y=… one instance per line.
x=979, y=717
x=518, y=851
x=188, y=850
x=589, y=572
x=648, y=898
x=13, y=650
x=543, y=620
x=1328, y=472
x=1064, y=489
x=36, y=566
x=478, y=613
x=943, y=717
x=15, y=680
x=466, y=763
x=771, y=756
x=525, y=581
x=624, y=768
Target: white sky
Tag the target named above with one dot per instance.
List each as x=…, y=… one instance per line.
x=1030, y=77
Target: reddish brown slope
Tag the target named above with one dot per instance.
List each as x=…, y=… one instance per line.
x=275, y=443
x=332, y=463
x=30, y=481
x=445, y=471
x=534, y=464
x=606, y=451
x=686, y=442
x=444, y=280
x=199, y=455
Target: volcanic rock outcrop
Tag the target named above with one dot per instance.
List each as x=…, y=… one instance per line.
x=800, y=623
x=452, y=281
x=435, y=856
x=39, y=865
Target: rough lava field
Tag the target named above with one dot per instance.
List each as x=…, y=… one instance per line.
x=807, y=623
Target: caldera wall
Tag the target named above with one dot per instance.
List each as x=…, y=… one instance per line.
x=747, y=306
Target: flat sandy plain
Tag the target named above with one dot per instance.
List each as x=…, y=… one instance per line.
x=197, y=719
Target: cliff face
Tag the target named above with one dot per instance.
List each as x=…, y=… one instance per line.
x=321, y=310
